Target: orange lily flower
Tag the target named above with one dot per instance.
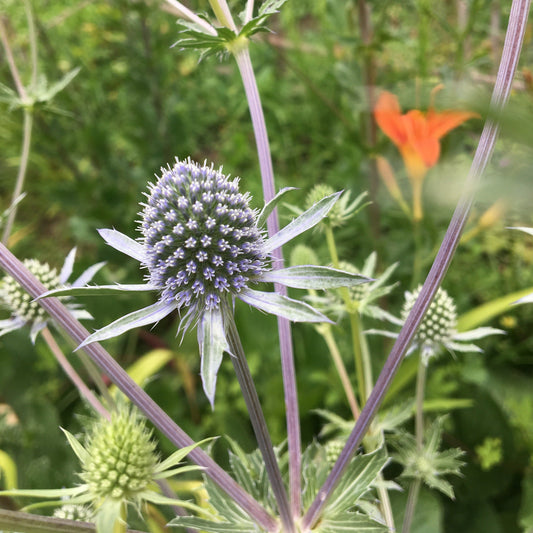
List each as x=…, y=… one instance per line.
x=417, y=135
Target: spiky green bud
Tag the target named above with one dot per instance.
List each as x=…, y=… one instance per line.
x=18, y=301
x=440, y=323
x=121, y=456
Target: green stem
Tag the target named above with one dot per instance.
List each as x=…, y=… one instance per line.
x=257, y=419
x=414, y=489
x=84, y=391
x=412, y=497
x=223, y=14
x=93, y=373
x=17, y=191
x=417, y=259
x=32, y=38
x=325, y=331
x=359, y=357
x=120, y=523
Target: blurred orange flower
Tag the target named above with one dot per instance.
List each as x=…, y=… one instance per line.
x=417, y=135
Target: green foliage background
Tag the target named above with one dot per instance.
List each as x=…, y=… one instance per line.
x=137, y=103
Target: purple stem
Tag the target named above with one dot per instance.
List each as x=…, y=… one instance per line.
x=242, y=57
x=124, y=382
x=511, y=52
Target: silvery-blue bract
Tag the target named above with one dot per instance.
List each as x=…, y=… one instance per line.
x=202, y=247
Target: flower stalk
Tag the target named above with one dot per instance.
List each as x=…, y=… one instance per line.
x=257, y=418
x=511, y=52
x=242, y=57
x=84, y=391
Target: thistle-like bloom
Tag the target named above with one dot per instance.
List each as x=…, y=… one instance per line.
x=202, y=246
x=438, y=329
x=24, y=311
x=417, y=135
x=119, y=467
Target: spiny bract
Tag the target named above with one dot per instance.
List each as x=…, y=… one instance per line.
x=200, y=236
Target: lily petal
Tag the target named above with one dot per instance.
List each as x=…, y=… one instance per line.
x=123, y=244
x=283, y=306
x=147, y=315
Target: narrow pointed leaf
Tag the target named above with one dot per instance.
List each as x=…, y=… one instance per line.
x=123, y=244
x=88, y=275
x=159, y=499
x=283, y=306
x=314, y=277
x=526, y=230
x=178, y=456
x=45, y=493
x=306, y=220
x=477, y=333
x=213, y=344
x=270, y=206
x=98, y=290
x=76, y=446
x=178, y=470
x=68, y=265
x=142, y=317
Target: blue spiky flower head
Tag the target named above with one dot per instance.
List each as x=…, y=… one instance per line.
x=200, y=236
x=202, y=246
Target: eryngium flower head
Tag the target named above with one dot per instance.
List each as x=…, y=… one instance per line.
x=439, y=324
x=438, y=329
x=121, y=457
x=202, y=246
x=201, y=240
x=79, y=513
x=25, y=311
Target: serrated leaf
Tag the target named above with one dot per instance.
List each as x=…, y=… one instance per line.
x=283, y=306
x=314, y=277
x=357, y=480
x=305, y=221
x=270, y=206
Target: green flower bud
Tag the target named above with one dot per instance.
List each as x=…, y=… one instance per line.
x=18, y=301
x=80, y=513
x=303, y=255
x=121, y=456
x=439, y=325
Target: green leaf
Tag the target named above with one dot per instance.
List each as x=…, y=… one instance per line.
x=447, y=404
x=349, y=523
x=270, y=206
x=314, y=277
x=146, y=366
x=305, y=221
x=44, y=493
x=76, y=446
x=178, y=456
x=283, y=306
x=58, y=86
x=208, y=526
x=213, y=344
x=159, y=499
x=107, y=514
x=489, y=310
x=357, y=480
x=8, y=471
